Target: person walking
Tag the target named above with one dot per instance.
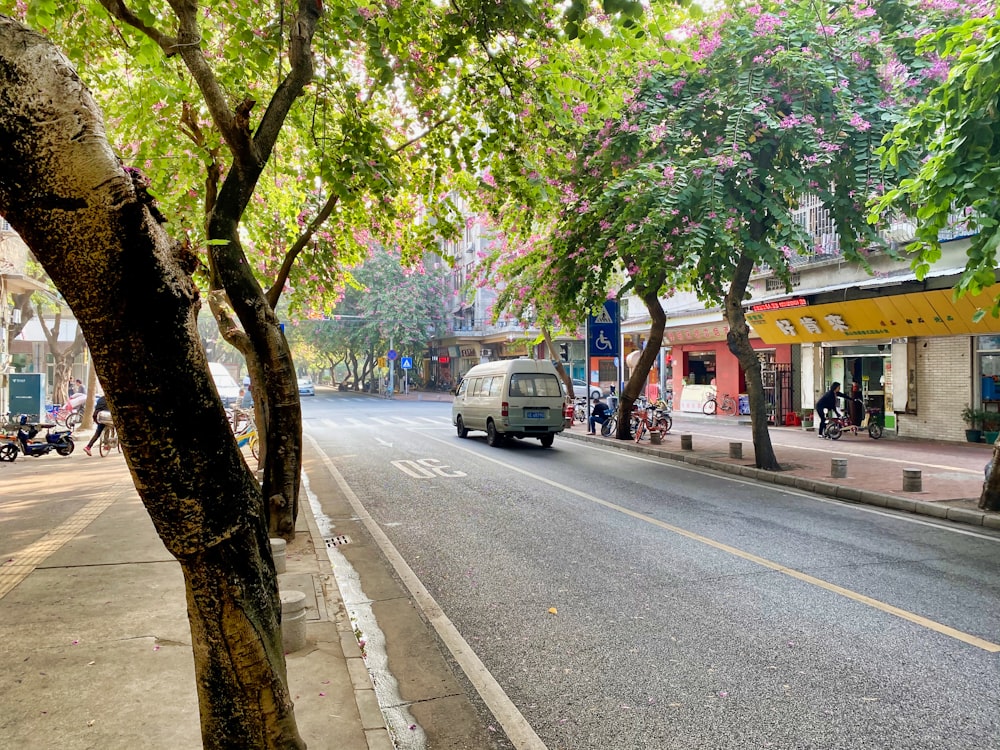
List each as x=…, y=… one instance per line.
x=100, y=405
x=598, y=415
x=827, y=403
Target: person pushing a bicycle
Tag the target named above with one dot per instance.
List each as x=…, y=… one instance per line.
x=827, y=403
x=101, y=404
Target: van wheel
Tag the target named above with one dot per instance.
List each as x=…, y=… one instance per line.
x=493, y=438
x=547, y=440
x=462, y=430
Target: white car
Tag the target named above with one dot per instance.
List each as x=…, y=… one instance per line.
x=306, y=387
x=579, y=388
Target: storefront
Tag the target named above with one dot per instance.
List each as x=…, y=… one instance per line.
x=919, y=356
x=702, y=365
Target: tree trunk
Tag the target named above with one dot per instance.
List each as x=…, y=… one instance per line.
x=738, y=341
x=637, y=378
x=563, y=375
x=64, y=191
x=990, y=499
x=62, y=356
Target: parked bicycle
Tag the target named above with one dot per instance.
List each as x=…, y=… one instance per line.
x=647, y=420
x=727, y=406
x=247, y=437
x=68, y=418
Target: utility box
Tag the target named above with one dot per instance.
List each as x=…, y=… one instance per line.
x=27, y=395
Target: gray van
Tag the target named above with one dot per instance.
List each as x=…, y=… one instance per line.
x=510, y=398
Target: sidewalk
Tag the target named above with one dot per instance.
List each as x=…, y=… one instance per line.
x=95, y=649
x=951, y=474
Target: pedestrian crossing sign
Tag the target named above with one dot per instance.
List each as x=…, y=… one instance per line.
x=406, y=363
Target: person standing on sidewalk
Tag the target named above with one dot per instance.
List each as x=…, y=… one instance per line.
x=827, y=403
x=101, y=404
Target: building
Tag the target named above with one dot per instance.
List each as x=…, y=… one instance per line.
x=905, y=344
x=14, y=279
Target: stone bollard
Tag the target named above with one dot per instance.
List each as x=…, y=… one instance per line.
x=655, y=437
x=736, y=450
x=686, y=443
x=838, y=468
x=278, y=554
x=912, y=481
x=293, y=620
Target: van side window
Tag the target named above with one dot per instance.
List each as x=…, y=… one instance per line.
x=496, y=383
x=462, y=387
x=474, y=386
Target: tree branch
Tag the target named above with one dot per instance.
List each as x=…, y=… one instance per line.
x=119, y=10
x=274, y=293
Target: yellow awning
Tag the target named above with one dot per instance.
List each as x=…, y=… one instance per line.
x=894, y=316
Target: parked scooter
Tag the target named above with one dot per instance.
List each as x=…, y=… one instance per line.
x=60, y=441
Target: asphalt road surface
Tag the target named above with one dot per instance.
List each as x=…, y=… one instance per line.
x=619, y=602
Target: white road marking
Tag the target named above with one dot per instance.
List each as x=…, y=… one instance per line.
x=518, y=730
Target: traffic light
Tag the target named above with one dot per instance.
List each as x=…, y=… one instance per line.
x=564, y=352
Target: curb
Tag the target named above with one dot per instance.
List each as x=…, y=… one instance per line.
x=372, y=720
x=939, y=510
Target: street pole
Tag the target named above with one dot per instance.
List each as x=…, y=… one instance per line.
x=392, y=366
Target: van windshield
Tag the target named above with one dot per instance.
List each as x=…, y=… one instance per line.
x=534, y=384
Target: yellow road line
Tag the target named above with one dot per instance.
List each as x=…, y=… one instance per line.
x=925, y=622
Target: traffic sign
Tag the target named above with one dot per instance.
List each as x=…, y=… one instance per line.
x=603, y=338
x=406, y=363
x=392, y=354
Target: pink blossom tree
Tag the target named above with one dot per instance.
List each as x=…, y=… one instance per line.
x=694, y=185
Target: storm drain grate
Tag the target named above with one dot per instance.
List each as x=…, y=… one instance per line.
x=337, y=541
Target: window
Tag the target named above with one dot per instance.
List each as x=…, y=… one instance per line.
x=531, y=384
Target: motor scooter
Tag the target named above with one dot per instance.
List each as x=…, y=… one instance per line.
x=60, y=441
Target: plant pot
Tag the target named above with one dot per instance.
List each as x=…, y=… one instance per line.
x=990, y=436
x=807, y=424
x=974, y=436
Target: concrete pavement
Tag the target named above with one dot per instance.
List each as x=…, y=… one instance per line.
x=95, y=649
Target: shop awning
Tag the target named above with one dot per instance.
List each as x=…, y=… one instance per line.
x=932, y=313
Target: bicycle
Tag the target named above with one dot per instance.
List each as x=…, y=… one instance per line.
x=247, y=436
x=728, y=406
x=68, y=418
x=109, y=441
x=238, y=418
x=838, y=425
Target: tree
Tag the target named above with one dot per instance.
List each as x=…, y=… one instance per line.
x=743, y=114
x=63, y=355
x=405, y=96
x=84, y=218
x=948, y=145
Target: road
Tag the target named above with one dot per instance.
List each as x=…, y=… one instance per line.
x=619, y=602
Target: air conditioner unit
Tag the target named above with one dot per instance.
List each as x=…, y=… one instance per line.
x=486, y=353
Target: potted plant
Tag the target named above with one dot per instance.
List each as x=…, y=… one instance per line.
x=973, y=418
x=991, y=426
x=807, y=420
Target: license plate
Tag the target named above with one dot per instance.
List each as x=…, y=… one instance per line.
x=534, y=414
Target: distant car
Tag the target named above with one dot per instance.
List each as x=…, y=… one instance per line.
x=228, y=388
x=306, y=387
x=579, y=388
